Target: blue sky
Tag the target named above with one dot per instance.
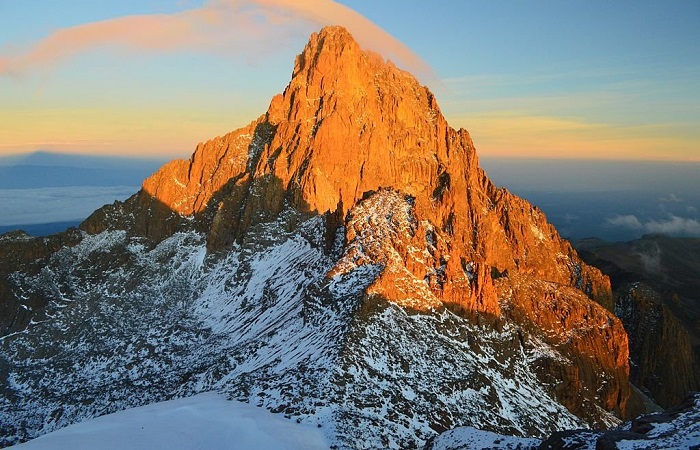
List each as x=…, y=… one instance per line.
x=575, y=79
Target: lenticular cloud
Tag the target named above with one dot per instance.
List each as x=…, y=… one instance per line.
x=248, y=27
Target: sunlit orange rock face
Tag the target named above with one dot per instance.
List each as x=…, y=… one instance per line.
x=350, y=124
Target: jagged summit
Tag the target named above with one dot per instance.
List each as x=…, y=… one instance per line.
x=350, y=124
x=332, y=53
x=355, y=123
x=343, y=258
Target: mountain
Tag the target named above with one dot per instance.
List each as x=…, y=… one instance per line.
x=47, y=169
x=342, y=260
x=676, y=428
x=656, y=282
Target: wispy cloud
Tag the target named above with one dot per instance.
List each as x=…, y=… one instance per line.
x=627, y=221
x=239, y=26
x=673, y=226
x=680, y=226
x=651, y=258
x=671, y=198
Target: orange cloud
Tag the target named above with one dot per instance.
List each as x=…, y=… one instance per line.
x=245, y=26
x=368, y=34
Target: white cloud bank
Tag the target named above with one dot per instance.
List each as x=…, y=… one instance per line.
x=57, y=204
x=673, y=226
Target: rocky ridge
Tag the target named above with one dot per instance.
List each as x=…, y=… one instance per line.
x=655, y=282
x=350, y=124
x=676, y=428
x=21, y=252
x=354, y=182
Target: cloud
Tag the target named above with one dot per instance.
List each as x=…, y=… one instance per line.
x=672, y=198
x=673, y=226
x=679, y=226
x=627, y=221
x=570, y=218
x=651, y=258
x=57, y=204
x=240, y=26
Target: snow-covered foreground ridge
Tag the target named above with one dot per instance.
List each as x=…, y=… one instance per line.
x=130, y=325
x=209, y=421
x=205, y=421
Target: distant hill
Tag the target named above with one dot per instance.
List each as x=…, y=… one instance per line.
x=49, y=158
x=47, y=169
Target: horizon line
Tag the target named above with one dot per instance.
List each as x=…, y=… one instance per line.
x=176, y=155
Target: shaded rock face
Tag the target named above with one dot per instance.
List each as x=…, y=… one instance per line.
x=676, y=428
x=409, y=221
x=655, y=280
x=21, y=252
x=131, y=325
x=664, y=362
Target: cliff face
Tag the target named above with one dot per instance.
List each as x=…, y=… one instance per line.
x=350, y=125
x=664, y=362
x=22, y=255
x=655, y=281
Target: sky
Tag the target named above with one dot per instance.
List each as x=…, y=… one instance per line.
x=528, y=79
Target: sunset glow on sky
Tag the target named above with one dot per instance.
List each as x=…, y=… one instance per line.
x=579, y=79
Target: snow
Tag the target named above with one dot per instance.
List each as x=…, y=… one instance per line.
x=277, y=322
x=474, y=439
x=680, y=433
x=205, y=421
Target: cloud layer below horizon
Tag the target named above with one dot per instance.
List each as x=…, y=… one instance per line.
x=57, y=204
x=671, y=226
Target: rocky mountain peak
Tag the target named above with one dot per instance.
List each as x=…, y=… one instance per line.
x=348, y=123
x=332, y=54
x=362, y=143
